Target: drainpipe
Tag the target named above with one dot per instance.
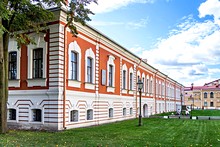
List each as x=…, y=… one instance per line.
x=136, y=87
x=155, y=86
x=64, y=79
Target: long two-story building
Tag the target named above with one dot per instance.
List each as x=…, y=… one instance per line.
x=64, y=82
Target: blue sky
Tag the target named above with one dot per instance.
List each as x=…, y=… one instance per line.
x=181, y=38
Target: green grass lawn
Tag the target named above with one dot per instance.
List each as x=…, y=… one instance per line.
x=154, y=132
x=206, y=112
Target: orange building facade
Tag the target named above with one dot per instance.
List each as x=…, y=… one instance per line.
x=65, y=82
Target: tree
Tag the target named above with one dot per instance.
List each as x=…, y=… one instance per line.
x=18, y=16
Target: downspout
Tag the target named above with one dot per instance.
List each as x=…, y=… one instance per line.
x=137, y=89
x=64, y=80
x=165, y=95
x=155, y=86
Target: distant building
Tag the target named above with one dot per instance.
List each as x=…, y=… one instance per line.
x=203, y=97
x=64, y=82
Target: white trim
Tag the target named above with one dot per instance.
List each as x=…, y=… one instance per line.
x=89, y=53
x=124, y=68
x=40, y=43
x=13, y=46
x=111, y=62
x=131, y=71
x=73, y=46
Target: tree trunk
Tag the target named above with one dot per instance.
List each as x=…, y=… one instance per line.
x=3, y=106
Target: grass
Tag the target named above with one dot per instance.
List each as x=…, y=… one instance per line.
x=206, y=112
x=154, y=132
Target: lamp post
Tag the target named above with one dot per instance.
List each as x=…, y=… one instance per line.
x=140, y=86
x=181, y=96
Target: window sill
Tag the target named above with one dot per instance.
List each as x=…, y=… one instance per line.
x=14, y=83
x=74, y=83
x=131, y=92
x=37, y=82
x=124, y=91
x=90, y=86
x=111, y=89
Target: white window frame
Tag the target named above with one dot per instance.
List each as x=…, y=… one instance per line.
x=12, y=47
x=77, y=115
x=131, y=91
x=124, y=112
x=90, y=54
x=40, y=43
x=147, y=84
x=74, y=47
x=111, y=62
x=144, y=82
x=111, y=112
x=88, y=111
x=124, y=68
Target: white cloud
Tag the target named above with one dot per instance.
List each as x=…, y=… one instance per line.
x=132, y=25
x=210, y=7
x=110, y=5
x=187, y=53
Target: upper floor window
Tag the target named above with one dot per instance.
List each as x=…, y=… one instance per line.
x=74, y=66
x=38, y=63
x=211, y=95
x=90, y=67
x=111, y=73
x=124, y=79
x=143, y=89
x=110, y=76
x=147, y=85
x=205, y=95
x=74, y=116
x=89, y=70
x=12, y=66
x=131, y=81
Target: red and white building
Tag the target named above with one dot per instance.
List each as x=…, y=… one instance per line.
x=65, y=82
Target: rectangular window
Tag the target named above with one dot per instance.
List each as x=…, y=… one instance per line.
x=131, y=81
x=110, y=76
x=74, y=66
x=38, y=63
x=89, y=114
x=205, y=104
x=211, y=104
x=147, y=86
x=12, y=114
x=12, y=65
x=143, y=85
x=124, y=79
x=89, y=70
x=74, y=116
x=37, y=115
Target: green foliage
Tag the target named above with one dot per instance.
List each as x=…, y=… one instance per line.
x=154, y=132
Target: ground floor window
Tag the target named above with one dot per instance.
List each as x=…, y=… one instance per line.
x=124, y=111
x=211, y=104
x=205, y=104
x=12, y=114
x=37, y=115
x=110, y=112
x=131, y=111
x=89, y=114
x=74, y=116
